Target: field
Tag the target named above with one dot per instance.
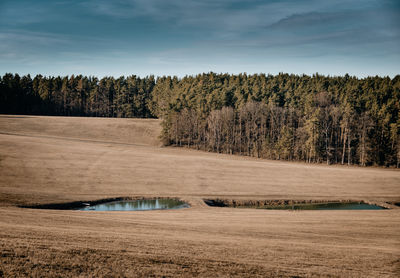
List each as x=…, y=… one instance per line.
x=59, y=159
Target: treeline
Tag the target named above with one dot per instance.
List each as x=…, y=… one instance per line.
x=76, y=96
x=315, y=119
x=310, y=118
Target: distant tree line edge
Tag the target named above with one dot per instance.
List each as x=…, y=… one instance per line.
x=334, y=120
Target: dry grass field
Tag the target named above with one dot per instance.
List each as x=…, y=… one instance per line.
x=59, y=159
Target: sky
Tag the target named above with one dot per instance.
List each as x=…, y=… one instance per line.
x=187, y=37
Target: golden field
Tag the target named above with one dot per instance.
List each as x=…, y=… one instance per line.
x=64, y=159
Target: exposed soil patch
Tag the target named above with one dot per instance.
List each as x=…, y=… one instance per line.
x=294, y=204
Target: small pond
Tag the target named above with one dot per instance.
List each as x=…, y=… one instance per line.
x=293, y=205
x=135, y=205
x=329, y=206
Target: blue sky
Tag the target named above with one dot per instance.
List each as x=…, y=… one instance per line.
x=185, y=37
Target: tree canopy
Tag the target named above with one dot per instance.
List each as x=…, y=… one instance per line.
x=315, y=118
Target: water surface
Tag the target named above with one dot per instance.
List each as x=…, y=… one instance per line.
x=134, y=205
x=328, y=206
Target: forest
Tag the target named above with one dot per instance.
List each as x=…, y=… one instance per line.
x=316, y=119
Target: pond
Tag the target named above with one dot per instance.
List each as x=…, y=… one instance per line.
x=329, y=206
x=293, y=205
x=135, y=205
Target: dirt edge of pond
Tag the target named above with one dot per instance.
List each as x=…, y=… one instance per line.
x=232, y=203
x=79, y=204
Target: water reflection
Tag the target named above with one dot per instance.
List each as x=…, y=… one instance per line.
x=132, y=205
x=328, y=206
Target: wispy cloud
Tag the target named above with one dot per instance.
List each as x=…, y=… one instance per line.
x=27, y=46
x=18, y=13
x=221, y=20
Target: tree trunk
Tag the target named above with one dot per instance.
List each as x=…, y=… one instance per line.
x=344, y=147
x=348, y=150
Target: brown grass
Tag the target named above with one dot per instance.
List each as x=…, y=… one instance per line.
x=58, y=159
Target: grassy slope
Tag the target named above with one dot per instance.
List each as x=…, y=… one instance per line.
x=53, y=159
